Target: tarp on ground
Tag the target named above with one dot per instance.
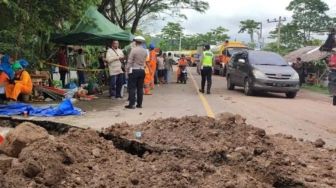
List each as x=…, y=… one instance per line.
x=64, y=109
x=93, y=29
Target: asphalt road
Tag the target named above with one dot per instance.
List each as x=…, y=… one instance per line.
x=308, y=116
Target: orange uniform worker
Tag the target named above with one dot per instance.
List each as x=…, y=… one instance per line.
x=22, y=83
x=148, y=78
x=3, y=83
x=152, y=63
x=3, y=77
x=181, y=62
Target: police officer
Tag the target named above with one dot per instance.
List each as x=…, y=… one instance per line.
x=135, y=70
x=206, y=62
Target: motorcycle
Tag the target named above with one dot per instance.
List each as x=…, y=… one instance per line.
x=183, y=75
x=332, y=85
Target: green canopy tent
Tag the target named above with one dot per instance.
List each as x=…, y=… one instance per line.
x=93, y=29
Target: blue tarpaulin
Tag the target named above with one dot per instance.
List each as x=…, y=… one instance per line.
x=64, y=109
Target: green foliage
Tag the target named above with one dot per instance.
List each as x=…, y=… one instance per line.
x=172, y=31
x=273, y=47
x=129, y=13
x=309, y=16
x=249, y=26
x=27, y=24
x=170, y=36
x=319, y=88
x=290, y=37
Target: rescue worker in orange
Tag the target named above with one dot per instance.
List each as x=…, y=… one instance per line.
x=22, y=83
x=3, y=83
x=148, y=78
x=152, y=63
x=3, y=77
x=181, y=62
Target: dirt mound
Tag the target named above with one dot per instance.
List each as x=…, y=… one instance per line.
x=20, y=137
x=186, y=152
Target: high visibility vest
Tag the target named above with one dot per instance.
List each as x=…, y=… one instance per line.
x=207, y=59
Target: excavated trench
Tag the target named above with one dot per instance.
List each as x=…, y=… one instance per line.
x=258, y=159
x=53, y=128
x=132, y=147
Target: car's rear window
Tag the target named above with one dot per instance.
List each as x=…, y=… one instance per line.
x=266, y=58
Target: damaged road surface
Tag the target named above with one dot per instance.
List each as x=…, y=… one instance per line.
x=186, y=152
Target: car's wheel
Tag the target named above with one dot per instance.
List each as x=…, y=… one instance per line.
x=291, y=95
x=247, y=87
x=334, y=100
x=229, y=84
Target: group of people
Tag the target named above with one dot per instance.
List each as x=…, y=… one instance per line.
x=140, y=68
x=144, y=69
x=14, y=79
x=63, y=68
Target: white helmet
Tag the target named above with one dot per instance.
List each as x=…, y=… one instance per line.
x=139, y=39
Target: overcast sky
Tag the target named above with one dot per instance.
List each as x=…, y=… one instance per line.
x=228, y=14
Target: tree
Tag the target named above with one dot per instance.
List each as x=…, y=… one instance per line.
x=310, y=16
x=291, y=37
x=172, y=33
x=219, y=34
x=249, y=26
x=27, y=24
x=129, y=13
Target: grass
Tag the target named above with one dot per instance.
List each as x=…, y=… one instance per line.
x=318, y=88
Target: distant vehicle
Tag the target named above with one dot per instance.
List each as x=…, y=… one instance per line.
x=223, y=53
x=192, y=58
x=262, y=71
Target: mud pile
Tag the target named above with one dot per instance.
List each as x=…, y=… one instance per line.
x=186, y=152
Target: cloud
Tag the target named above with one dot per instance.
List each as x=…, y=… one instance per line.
x=229, y=13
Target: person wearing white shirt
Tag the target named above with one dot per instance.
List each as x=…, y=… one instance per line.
x=114, y=57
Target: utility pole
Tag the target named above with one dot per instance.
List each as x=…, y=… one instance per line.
x=180, y=45
x=260, y=35
x=280, y=20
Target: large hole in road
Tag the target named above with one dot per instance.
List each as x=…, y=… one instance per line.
x=53, y=128
x=132, y=147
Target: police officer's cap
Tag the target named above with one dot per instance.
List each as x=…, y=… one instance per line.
x=139, y=39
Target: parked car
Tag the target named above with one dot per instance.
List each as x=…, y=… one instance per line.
x=262, y=71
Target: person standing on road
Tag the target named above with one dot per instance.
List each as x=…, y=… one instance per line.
x=168, y=67
x=80, y=65
x=62, y=61
x=136, y=73
x=114, y=57
x=299, y=67
x=207, y=61
x=161, y=68
x=102, y=65
x=152, y=63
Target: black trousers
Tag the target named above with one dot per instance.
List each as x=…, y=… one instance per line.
x=116, y=83
x=136, y=83
x=62, y=75
x=206, y=74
